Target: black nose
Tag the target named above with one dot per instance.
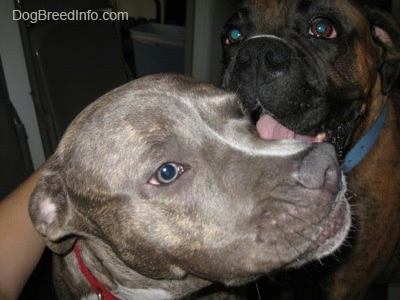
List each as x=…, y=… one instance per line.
x=269, y=53
x=320, y=169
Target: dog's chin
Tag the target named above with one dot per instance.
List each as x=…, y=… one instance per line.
x=330, y=238
x=269, y=128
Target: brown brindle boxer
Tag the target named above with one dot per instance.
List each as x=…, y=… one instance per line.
x=327, y=71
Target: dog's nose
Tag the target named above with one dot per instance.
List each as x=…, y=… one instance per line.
x=320, y=169
x=267, y=52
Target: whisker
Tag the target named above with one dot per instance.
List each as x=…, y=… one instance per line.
x=277, y=253
x=304, y=237
x=288, y=240
x=293, y=203
x=304, y=221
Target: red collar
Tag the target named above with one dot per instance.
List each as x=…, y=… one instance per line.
x=99, y=289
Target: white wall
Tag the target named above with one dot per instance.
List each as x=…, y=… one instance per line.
x=209, y=18
x=17, y=79
x=138, y=8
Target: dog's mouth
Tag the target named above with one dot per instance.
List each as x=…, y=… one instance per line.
x=268, y=128
x=335, y=230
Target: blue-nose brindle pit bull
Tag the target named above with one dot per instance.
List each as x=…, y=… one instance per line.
x=162, y=186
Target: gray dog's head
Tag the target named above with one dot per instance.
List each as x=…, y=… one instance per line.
x=170, y=174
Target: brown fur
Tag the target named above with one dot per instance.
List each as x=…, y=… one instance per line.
x=348, y=80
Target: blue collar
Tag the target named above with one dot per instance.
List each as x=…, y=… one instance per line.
x=365, y=144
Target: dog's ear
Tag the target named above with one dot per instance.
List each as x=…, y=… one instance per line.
x=386, y=32
x=49, y=211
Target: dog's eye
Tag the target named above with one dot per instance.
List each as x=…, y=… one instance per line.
x=321, y=28
x=167, y=173
x=233, y=36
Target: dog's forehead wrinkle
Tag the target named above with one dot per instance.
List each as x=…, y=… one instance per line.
x=303, y=10
x=118, y=168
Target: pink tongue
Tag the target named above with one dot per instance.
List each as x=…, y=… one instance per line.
x=270, y=129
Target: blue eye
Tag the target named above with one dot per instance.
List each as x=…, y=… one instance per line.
x=168, y=172
x=320, y=27
x=233, y=36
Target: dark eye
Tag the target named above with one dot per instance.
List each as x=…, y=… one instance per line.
x=233, y=36
x=321, y=28
x=167, y=173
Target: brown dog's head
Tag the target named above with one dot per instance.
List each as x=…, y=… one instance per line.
x=310, y=70
x=171, y=176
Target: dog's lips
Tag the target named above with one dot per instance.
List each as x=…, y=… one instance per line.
x=269, y=128
x=331, y=236
x=334, y=226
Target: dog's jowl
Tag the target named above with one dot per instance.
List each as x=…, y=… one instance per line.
x=162, y=186
x=326, y=71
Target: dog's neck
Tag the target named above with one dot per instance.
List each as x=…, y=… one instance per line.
x=97, y=287
x=127, y=284
x=371, y=124
x=371, y=110
x=361, y=149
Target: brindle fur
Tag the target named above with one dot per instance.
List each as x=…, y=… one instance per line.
x=343, y=84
